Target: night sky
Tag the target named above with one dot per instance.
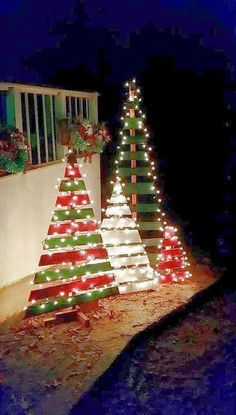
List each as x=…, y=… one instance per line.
x=28, y=27
x=183, y=54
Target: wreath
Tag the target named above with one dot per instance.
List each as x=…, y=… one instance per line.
x=82, y=136
x=13, y=150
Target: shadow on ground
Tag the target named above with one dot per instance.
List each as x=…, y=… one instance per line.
x=186, y=364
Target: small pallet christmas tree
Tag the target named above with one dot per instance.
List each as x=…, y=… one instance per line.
x=78, y=269
x=137, y=171
x=124, y=246
x=173, y=265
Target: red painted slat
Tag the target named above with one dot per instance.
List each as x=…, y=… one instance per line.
x=173, y=252
x=73, y=200
x=168, y=276
x=73, y=256
x=72, y=172
x=77, y=227
x=169, y=232
x=66, y=288
x=169, y=242
x=169, y=264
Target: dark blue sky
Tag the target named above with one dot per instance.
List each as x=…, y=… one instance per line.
x=26, y=25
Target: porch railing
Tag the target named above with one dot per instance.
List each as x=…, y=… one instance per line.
x=34, y=110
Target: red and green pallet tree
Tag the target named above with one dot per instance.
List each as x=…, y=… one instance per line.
x=136, y=168
x=173, y=265
x=76, y=264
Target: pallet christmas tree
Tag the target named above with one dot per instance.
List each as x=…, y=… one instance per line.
x=173, y=265
x=127, y=255
x=77, y=266
x=137, y=171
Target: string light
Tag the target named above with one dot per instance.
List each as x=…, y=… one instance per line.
x=117, y=208
x=115, y=222
x=63, y=274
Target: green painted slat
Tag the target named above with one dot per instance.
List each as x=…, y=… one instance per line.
x=152, y=244
x=144, y=207
x=138, y=171
x=53, y=275
x=132, y=155
x=72, y=185
x=132, y=123
x=132, y=104
x=35, y=309
x=149, y=226
x=139, y=163
x=72, y=241
x=150, y=234
x=141, y=179
x=73, y=214
x=153, y=259
x=137, y=139
x=140, y=188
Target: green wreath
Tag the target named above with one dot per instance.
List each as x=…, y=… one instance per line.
x=81, y=145
x=14, y=166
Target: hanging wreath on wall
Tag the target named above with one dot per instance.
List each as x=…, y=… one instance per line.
x=14, y=151
x=82, y=136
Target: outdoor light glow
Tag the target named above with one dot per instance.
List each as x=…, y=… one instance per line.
x=81, y=244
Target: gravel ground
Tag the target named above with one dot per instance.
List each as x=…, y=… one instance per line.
x=188, y=369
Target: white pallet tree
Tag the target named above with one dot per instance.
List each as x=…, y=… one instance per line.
x=125, y=249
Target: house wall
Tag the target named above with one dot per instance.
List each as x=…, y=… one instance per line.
x=26, y=204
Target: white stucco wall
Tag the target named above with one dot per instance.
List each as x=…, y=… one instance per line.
x=26, y=203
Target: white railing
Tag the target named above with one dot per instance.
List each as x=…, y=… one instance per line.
x=34, y=110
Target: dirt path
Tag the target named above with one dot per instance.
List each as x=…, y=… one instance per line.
x=46, y=368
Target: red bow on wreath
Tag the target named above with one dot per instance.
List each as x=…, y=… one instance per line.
x=81, y=130
x=92, y=138
x=88, y=155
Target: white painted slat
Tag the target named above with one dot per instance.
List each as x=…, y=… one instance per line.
x=87, y=108
x=45, y=128
x=118, y=210
x=127, y=261
x=118, y=223
x=115, y=200
x=138, y=286
x=122, y=250
x=37, y=128
x=133, y=274
x=53, y=129
x=28, y=123
x=118, y=237
x=76, y=106
x=70, y=108
x=4, y=86
x=81, y=111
